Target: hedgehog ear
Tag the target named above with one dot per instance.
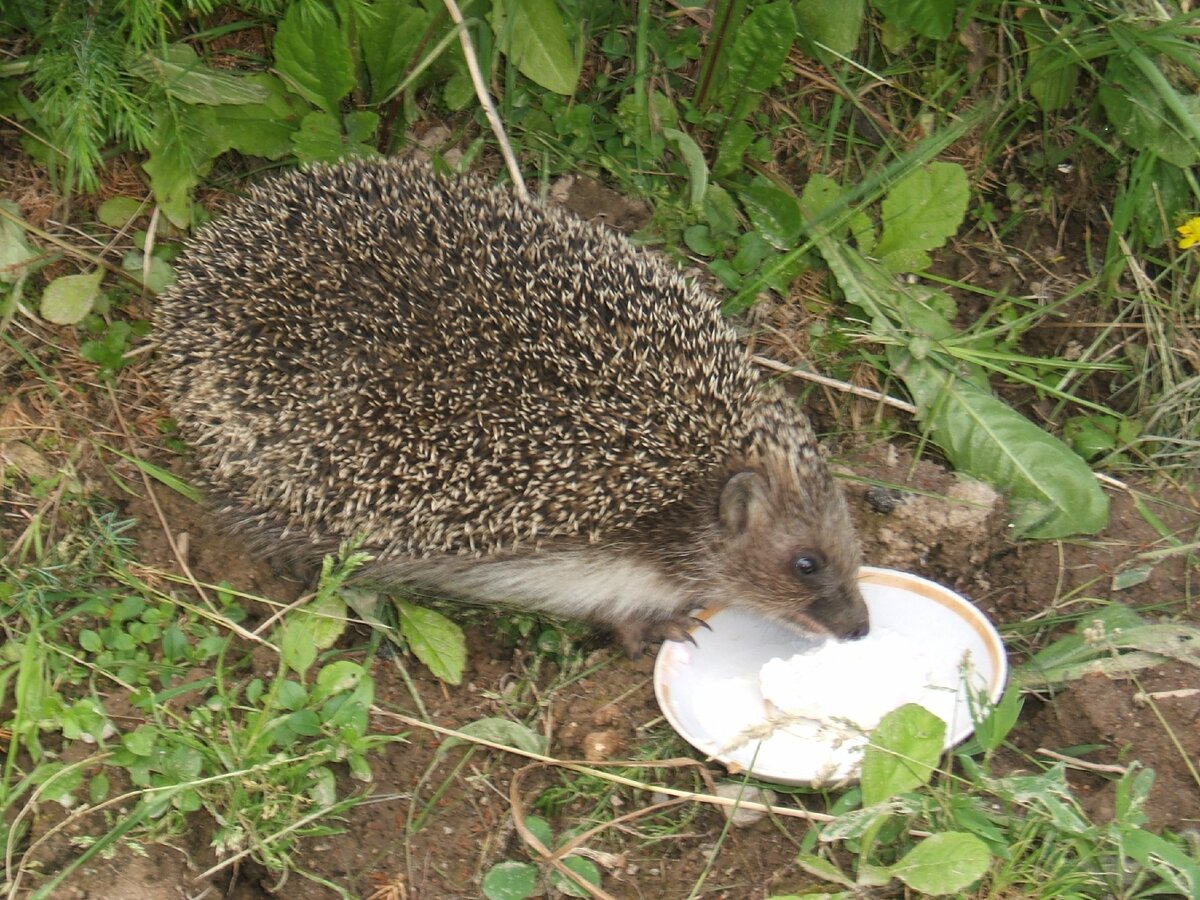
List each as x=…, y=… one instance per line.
x=743, y=501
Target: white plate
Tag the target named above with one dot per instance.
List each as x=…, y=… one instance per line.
x=710, y=692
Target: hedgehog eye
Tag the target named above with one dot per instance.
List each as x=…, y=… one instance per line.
x=806, y=564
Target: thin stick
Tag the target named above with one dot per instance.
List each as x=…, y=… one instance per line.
x=485, y=100
x=776, y=366
x=609, y=776
x=1081, y=764
x=866, y=393
x=554, y=858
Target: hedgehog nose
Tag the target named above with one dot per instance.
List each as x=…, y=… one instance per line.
x=859, y=632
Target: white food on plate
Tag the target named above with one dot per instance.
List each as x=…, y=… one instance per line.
x=824, y=701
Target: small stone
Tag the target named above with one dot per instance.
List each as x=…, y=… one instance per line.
x=740, y=815
x=602, y=745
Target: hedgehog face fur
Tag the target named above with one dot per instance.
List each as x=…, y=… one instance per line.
x=500, y=402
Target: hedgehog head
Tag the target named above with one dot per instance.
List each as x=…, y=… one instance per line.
x=783, y=543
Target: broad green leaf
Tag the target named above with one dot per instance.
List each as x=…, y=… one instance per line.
x=180, y=155
x=156, y=277
x=68, y=298
x=510, y=880
x=389, y=44
x=15, y=249
x=89, y=640
x=181, y=763
x=296, y=649
x=291, y=695
x=920, y=212
x=819, y=867
x=323, y=617
x=945, y=863
x=760, y=48
x=540, y=829
x=835, y=25
x=435, y=640
x=531, y=33
x=1140, y=115
x=255, y=129
x=304, y=722
x=700, y=241
x=183, y=75
x=1050, y=487
x=931, y=18
x=117, y=212
x=311, y=628
x=773, y=211
x=312, y=56
x=902, y=754
x=693, y=159
x=502, y=731
x=584, y=868
x=336, y=678
x=1170, y=862
x=721, y=211
x=321, y=138
x=1053, y=67
x=459, y=91
x=141, y=741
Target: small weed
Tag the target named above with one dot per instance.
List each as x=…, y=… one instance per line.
x=514, y=880
x=257, y=753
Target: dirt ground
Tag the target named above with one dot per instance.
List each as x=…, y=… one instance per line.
x=613, y=709
x=913, y=515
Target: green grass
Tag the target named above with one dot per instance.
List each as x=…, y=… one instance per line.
x=850, y=147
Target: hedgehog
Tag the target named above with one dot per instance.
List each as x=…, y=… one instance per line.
x=499, y=402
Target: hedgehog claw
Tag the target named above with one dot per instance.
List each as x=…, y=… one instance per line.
x=635, y=637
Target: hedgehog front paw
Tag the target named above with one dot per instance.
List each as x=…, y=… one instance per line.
x=637, y=636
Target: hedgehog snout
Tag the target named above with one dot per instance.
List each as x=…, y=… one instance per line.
x=841, y=611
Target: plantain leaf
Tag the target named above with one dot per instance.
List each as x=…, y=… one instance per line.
x=946, y=863
x=183, y=75
x=1050, y=486
x=903, y=752
x=693, y=158
x=435, y=640
x=1053, y=69
x=773, y=211
x=389, y=44
x=531, y=33
x=834, y=25
x=760, y=48
x=931, y=18
x=501, y=731
x=312, y=55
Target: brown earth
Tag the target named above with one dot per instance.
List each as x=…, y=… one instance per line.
x=609, y=705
